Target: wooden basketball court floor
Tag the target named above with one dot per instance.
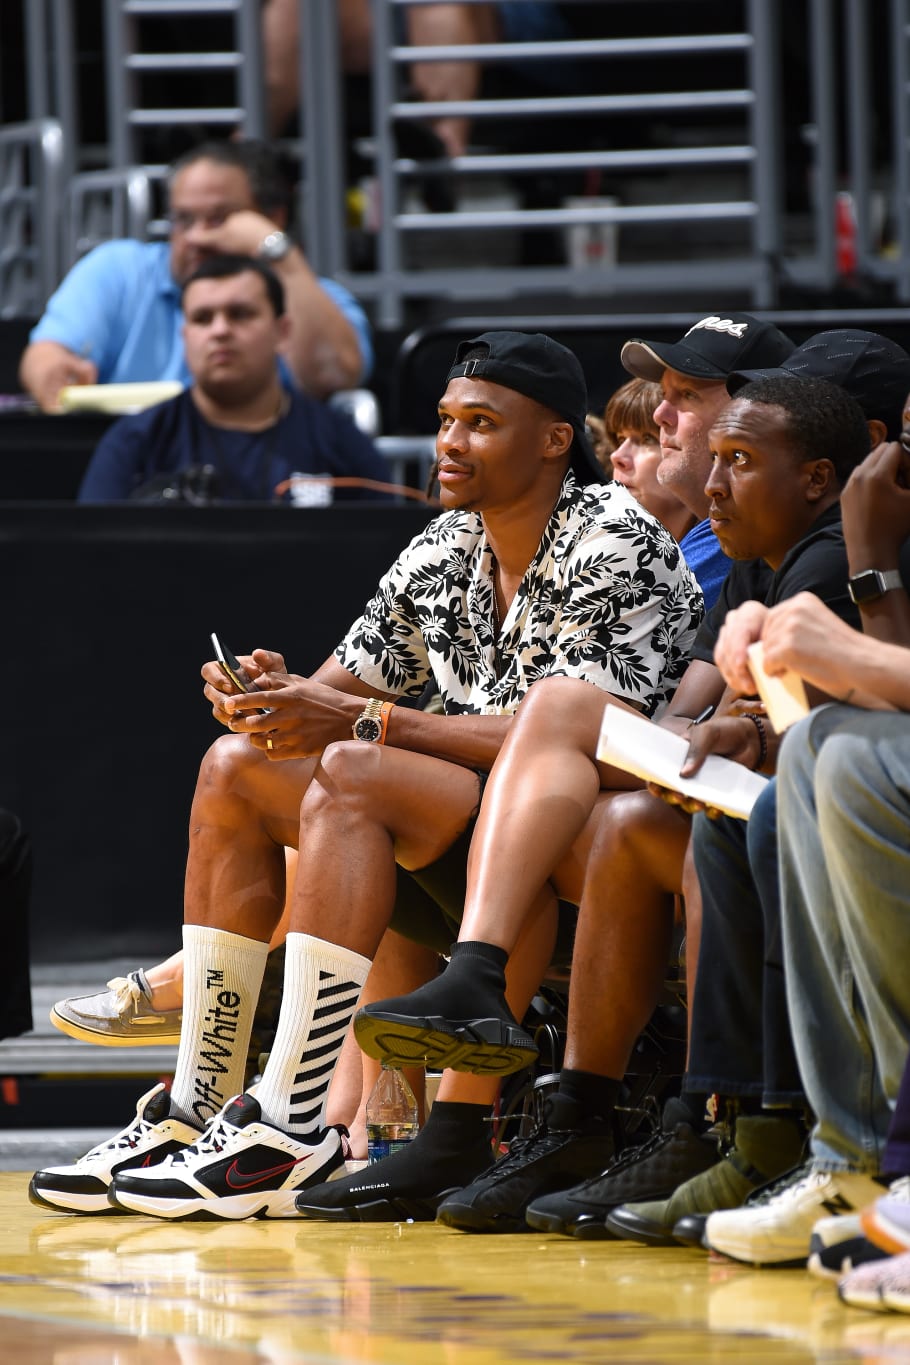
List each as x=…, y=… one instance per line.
x=119, y=1290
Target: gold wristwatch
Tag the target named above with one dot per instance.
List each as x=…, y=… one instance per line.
x=372, y=722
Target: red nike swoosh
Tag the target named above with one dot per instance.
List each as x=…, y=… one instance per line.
x=240, y=1180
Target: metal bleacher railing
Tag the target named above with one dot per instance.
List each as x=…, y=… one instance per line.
x=707, y=171
x=747, y=143
x=31, y=166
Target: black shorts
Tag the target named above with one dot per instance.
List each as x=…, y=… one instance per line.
x=429, y=902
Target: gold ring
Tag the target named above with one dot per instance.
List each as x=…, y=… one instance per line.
x=269, y=744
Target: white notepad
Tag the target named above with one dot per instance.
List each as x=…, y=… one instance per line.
x=656, y=754
x=117, y=398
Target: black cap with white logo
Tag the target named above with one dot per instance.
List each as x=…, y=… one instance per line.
x=712, y=348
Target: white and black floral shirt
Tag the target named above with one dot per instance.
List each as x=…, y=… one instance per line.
x=607, y=598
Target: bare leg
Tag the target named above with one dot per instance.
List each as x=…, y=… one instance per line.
x=281, y=52
x=541, y=792
x=366, y=808
x=166, y=982
x=245, y=813
x=624, y=929
x=450, y=25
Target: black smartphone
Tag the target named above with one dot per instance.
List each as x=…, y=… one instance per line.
x=231, y=666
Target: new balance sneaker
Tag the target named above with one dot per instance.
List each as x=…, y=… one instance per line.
x=83, y=1187
x=838, y=1245
x=775, y=1226
x=563, y=1149
x=652, y=1170
x=882, y=1286
x=240, y=1167
x=121, y=1016
x=887, y=1221
x=764, y=1146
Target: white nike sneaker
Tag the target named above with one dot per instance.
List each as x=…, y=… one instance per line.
x=240, y=1167
x=83, y=1187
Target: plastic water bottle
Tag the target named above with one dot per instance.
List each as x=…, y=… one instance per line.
x=391, y=1115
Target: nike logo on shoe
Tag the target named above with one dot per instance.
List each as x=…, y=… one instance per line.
x=245, y=1180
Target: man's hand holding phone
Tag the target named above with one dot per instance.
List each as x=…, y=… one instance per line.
x=227, y=675
x=303, y=716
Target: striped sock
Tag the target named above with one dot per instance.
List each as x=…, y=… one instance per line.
x=322, y=985
x=222, y=974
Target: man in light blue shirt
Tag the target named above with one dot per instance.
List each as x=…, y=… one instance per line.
x=116, y=316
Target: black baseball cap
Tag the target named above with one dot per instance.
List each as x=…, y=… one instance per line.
x=540, y=368
x=712, y=348
x=871, y=368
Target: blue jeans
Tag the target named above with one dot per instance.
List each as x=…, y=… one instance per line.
x=740, y=1037
x=844, y=831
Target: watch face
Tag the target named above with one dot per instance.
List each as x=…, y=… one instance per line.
x=865, y=587
x=275, y=247
x=367, y=728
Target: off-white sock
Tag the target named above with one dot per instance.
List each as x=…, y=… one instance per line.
x=322, y=984
x=222, y=974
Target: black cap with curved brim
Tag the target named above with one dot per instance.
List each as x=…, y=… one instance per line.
x=712, y=348
x=871, y=368
x=540, y=368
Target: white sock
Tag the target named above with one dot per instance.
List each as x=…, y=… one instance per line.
x=222, y=975
x=322, y=984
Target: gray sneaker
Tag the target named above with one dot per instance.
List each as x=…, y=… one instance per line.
x=121, y=1016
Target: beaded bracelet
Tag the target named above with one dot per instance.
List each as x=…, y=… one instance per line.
x=762, y=738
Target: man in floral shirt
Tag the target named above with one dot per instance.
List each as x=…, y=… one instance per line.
x=527, y=573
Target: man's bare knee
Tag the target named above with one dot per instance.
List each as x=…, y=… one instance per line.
x=228, y=765
x=348, y=772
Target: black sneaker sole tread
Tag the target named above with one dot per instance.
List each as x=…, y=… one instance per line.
x=484, y=1047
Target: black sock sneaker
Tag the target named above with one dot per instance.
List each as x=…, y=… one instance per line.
x=673, y=1154
x=563, y=1149
x=460, y=1020
x=450, y=1151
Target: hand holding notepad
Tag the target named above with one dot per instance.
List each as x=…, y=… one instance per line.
x=656, y=754
x=784, y=694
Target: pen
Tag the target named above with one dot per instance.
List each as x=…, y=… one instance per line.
x=702, y=715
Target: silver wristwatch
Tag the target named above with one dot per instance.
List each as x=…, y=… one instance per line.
x=274, y=247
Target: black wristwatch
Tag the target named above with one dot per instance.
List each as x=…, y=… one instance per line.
x=872, y=584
